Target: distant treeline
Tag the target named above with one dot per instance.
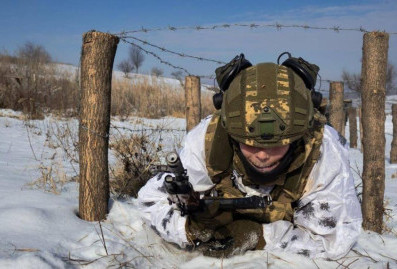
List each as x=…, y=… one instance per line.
x=32, y=83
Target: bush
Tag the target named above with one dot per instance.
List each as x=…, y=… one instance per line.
x=29, y=83
x=134, y=153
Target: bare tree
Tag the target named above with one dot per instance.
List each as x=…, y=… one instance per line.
x=34, y=53
x=178, y=75
x=126, y=67
x=33, y=69
x=136, y=57
x=353, y=81
x=32, y=60
x=156, y=71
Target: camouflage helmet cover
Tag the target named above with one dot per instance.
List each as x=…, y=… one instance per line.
x=267, y=105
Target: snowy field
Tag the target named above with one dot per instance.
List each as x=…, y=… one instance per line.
x=40, y=229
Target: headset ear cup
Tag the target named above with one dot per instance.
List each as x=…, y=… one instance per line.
x=225, y=74
x=217, y=100
x=300, y=71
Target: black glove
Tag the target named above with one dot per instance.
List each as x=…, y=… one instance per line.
x=235, y=239
x=202, y=224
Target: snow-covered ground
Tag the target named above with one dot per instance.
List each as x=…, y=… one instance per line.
x=40, y=229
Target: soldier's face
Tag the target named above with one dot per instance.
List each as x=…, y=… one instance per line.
x=264, y=160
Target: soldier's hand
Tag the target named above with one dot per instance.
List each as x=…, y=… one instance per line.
x=236, y=238
x=202, y=224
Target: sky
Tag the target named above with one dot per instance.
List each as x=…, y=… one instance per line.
x=59, y=26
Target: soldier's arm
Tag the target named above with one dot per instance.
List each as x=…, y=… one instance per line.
x=163, y=217
x=166, y=219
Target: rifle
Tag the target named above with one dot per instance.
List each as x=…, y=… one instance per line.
x=181, y=192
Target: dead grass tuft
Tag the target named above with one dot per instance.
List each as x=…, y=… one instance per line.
x=388, y=219
x=63, y=141
x=134, y=154
x=52, y=178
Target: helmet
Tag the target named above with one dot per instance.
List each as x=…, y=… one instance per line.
x=267, y=105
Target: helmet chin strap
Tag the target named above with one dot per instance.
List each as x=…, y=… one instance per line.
x=256, y=177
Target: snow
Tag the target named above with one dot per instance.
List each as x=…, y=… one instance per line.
x=41, y=229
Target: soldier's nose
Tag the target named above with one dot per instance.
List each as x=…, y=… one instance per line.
x=262, y=155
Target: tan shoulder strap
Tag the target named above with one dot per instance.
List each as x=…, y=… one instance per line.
x=218, y=150
x=296, y=180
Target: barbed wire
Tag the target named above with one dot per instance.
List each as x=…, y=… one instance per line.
x=156, y=56
x=142, y=130
x=83, y=127
x=172, y=52
x=276, y=25
x=207, y=76
x=123, y=36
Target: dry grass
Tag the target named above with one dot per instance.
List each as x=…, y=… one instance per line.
x=152, y=98
x=388, y=219
x=47, y=89
x=38, y=92
x=134, y=153
x=52, y=178
x=38, y=87
x=64, y=142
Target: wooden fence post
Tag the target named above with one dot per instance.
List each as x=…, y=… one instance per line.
x=373, y=75
x=97, y=58
x=336, y=108
x=352, y=111
x=393, y=151
x=193, y=101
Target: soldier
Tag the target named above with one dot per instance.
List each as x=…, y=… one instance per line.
x=267, y=139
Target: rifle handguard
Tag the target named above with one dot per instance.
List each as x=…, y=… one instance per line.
x=251, y=202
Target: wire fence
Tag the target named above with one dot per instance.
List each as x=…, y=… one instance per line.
x=163, y=49
x=143, y=130
x=172, y=52
x=276, y=25
x=127, y=37
x=156, y=56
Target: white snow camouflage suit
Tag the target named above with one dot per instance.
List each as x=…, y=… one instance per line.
x=326, y=223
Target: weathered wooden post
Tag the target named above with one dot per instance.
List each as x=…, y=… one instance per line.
x=336, y=108
x=393, y=151
x=373, y=75
x=97, y=58
x=193, y=101
x=352, y=111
